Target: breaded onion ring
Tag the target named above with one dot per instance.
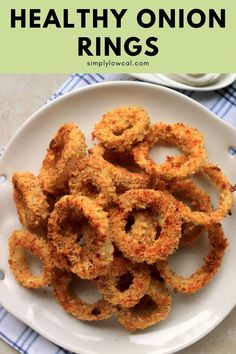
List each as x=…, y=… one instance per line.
x=122, y=178
x=74, y=305
x=170, y=223
x=188, y=139
x=67, y=146
x=125, y=283
x=145, y=228
x=122, y=127
x=31, y=204
x=152, y=308
x=198, y=200
x=91, y=179
x=205, y=273
x=94, y=257
x=225, y=189
x=19, y=242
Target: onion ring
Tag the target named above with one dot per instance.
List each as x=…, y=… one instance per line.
x=124, y=294
x=188, y=139
x=226, y=190
x=67, y=146
x=121, y=128
x=157, y=295
x=122, y=178
x=71, y=303
x=170, y=224
x=205, y=273
x=92, y=180
x=19, y=242
x=94, y=257
x=31, y=204
x=198, y=200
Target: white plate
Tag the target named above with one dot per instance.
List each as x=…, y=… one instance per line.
x=161, y=79
x=192, y=317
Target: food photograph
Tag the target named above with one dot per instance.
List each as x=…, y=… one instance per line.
x=117, y=196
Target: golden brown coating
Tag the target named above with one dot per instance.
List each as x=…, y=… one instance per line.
x=123, y=178
x=170, y=222
x=152, y=308
x=225, y=204
x=125, y=283
x=91, y=179
x=19, y=243
x=205, y=273
x=143, y=227
x=67, y=146
x=75, y=217
x=31, y=203
x=74, y=305
x=95, y=257
x=122, y=127
x=190, y=194
x=188, y=139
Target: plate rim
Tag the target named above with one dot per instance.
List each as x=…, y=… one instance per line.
x=113, y=83
x=30, y=322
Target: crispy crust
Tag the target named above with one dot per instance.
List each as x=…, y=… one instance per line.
x=160, y=296
x=91, y=179
x=19, y=242
x=67, y=146
x=225, y=189
x=188, y=139
x=137, y=289
x=31, y=204
x=170, y=223
x=94, y=257
x=122, y=178
x=144, y=228
x=204, y=274
x=71, y=303
x=122, y=127
x=198, y=200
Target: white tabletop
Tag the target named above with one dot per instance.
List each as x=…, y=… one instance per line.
x=21, y=95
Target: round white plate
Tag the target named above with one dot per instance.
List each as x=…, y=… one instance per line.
x=224, y=81
x=192, y=317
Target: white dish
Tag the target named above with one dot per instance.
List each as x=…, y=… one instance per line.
x=192, y=317
x=224, y=81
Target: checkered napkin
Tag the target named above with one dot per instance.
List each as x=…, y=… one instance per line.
x=222, y=103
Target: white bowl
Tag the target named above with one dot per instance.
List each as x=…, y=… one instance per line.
x=161, y=79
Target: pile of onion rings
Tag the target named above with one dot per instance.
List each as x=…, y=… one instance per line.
x=114, y=216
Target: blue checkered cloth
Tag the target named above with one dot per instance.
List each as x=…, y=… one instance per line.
x=222, y=103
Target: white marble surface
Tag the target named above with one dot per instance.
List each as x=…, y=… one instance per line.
x=20, y=96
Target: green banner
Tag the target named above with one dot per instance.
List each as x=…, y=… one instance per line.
x=117, y=36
